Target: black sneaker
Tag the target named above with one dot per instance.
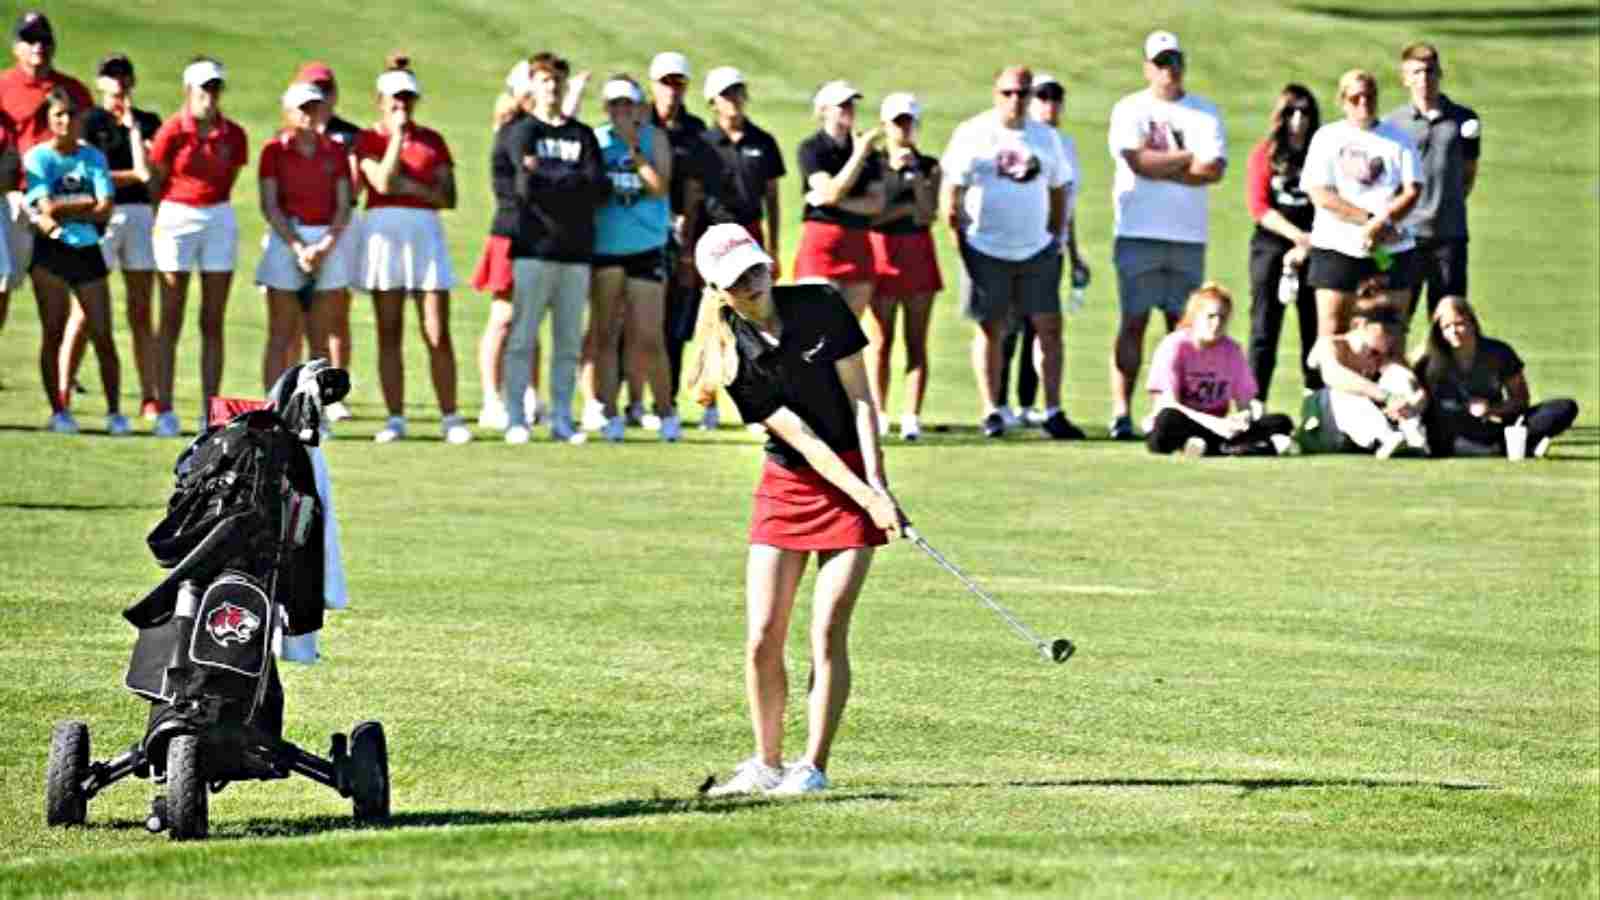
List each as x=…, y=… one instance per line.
x=1058, y=426
x=994, y=425
x=1122, y=429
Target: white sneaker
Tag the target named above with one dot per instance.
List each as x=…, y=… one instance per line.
x=671, y=428
x=594, y=416
x=650, y=422
x=1388, y=444
x=62, y=423
x=117, y=425
x=518, y=434
x=910, y=427
x=1034, y=417
x=800, y=778
x=336, y=412
x=1010, y=417
x=561, y=430
x=751, y=777
x=1415, y=438
x=531, y=407
x=615, y=428
x=167, y=424
x=1541, y=448
x=393, y=430
x=1284, y=445
x=493, y=414
x=1194, y=448
x=455, y=429
x=711, y=419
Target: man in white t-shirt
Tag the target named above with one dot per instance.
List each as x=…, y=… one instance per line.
x=1005, y=199
x=1168, y=146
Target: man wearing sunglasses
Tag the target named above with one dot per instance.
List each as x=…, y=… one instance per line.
x=1448, y=137
x=1167, y=146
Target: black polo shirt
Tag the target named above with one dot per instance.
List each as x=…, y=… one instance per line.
x=821, y=153
x=744, y=169
x=342, y=132
x=102, y=130
x=691, y=158
x=900, y=186
x=798, y=373
x=1444, y=146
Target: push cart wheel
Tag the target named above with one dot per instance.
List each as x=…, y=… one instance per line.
x=64, y=802
x=188, y=812
x=369, y=772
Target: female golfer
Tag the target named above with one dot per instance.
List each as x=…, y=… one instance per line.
x=790, y=358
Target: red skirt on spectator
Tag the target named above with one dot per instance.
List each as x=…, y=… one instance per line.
x=905, y=265
x=493, y=273
x=833, y=252
x=798, y=509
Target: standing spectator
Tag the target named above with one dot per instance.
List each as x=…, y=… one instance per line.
x=749, y=167
x=1282, y=238
x=10, y=180
x=1363, y=176
x=628, y=278
x=1168, y=145
x=843, y=194
x=304, y=181
x=1049, y=98
x=123, y=132
x=409, y=176
x=70, y=197
x=905, y=264
x=1004, y=198
x=1372, y=401
x=195, y=157
x=1449, y=139
x=552, y=164
x=1478, y=387
x=1197, y=371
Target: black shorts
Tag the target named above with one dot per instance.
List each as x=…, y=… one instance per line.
x=1333, y=271
x=651, y=265
x=1442, y=268
x=74, y=265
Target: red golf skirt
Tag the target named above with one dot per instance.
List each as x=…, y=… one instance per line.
x=798, y=509
x=493, y=273
x=905, y=265
x=834, y=252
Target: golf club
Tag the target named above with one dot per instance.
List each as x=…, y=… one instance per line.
x=1059, y=650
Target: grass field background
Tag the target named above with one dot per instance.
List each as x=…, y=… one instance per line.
x=1308, y=677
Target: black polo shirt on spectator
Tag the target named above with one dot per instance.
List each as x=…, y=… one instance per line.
x=691, y=158
x=1444, y=145
x=744, y=169
x=821, y=153
x=102, y=130
x=798, y=373
x=900, y=187
x=342, y=132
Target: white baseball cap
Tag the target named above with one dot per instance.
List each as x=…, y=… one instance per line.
x=621, y=89
x=896, y=105
x=720, y=79
x=725, y=252
x=668, y=63
x=834, y=93
x=300, y=94
x=202, y=72
x=1160, y=42
x=398, y=81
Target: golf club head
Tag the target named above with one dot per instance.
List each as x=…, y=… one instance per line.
x=1061, y=650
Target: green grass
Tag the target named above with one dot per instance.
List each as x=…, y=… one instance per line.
x=1314, y=677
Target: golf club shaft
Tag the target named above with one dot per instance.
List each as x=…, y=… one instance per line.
x=1022, y=630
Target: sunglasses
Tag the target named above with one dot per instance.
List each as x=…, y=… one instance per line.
x=676, y=81
x=1370, y=97
x=1168, y=59
x=1012, y=92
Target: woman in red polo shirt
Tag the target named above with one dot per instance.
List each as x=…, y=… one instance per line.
x=409, y=175
x=305, y=200
x=195, y=157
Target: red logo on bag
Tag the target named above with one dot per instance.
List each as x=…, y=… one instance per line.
x=231, y=624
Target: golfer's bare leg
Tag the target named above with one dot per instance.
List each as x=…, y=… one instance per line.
x=771, y=578
x=840, y=574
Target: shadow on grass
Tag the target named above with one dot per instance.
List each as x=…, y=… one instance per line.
x=1450, y=14
x=1248, y=785
x=77, y=507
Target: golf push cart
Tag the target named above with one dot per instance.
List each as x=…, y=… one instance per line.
x=243, y=538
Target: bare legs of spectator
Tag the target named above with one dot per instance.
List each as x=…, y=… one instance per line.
x=645, y=341
x=285, y=331
x=214, y=287
x=138, y=287
x=608, y=288
x=1047, y=356
x=491, y=355
x=986, y=360
x=54, y=298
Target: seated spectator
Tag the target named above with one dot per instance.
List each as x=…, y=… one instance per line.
x=1196, y=372
x=1372, y=401
x=1478, y=388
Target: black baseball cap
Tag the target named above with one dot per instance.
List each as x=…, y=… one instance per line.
x=33, y=26
x=117, y=65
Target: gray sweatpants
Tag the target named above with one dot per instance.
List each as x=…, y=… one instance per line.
x=564, y=289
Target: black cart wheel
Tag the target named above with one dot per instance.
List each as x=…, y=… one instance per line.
x=369, y=772
x=188, y=808
x=64, y=802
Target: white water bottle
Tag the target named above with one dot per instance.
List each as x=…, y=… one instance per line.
x=1289, y=285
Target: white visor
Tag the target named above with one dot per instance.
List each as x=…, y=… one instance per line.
x=398, y=81
x=726, y=252
x=621, y=89
x=834, y=93
x=199, y=74
x=720, y=79
x=299, y=95
x=897, y=105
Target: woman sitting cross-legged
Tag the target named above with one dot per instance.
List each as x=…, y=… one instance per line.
x=1372, y=401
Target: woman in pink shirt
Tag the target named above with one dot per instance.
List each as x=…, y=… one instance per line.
x=1197, y=373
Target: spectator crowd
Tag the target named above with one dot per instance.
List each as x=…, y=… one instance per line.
x=1358, y=217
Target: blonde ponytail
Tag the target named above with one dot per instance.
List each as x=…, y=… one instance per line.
x=716, y=362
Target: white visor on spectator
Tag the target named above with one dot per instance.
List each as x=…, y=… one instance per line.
x=720, y=79
x=897, y=105
x=517, y=80
x=203, y=72
x=834, y=93
x=299, y=95
x=668, y=63
x=1158, y=43
x=398, y=81
x=621, y=89
x=726, y=252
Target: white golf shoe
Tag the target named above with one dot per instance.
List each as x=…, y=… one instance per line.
x=751, y=777
x=393, y=430
x=455, y=429
x=800, y=778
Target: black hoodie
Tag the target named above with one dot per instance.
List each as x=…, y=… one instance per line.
x=556, y=200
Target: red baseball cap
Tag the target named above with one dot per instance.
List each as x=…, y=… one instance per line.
x=314, y=72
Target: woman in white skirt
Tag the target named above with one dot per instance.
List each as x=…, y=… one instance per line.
x=304, y=180
x=195, y=158
x=409, y=176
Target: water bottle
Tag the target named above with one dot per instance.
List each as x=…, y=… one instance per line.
x=1080, y=287
x=1289, y=285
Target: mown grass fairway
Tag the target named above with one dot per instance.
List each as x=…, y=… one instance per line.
x=1308, y=677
